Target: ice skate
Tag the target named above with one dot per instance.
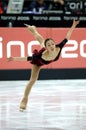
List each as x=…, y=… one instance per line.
x=23, y=104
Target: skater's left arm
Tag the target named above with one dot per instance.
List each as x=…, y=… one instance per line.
x=75, y=23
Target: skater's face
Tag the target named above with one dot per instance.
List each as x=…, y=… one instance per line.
x=50, y=45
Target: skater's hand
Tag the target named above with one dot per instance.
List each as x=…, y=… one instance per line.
x=75, y=22
x=10, y=59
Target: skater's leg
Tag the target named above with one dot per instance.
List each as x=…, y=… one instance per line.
x=33, y=78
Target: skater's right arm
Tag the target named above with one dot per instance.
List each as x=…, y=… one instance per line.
x=36, y=34
x=17, y=59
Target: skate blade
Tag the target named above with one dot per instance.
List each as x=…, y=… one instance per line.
x=26, y=25
x=22, y=110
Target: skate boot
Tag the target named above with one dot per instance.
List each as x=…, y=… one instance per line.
x=23, y=104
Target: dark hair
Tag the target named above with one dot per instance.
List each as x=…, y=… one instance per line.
x=46, y=40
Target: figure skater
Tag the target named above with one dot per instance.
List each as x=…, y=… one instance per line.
x=49, y=52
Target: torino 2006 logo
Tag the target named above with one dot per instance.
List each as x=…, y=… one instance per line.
x=69, y=51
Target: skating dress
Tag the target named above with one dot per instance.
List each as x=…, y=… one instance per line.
x=37, y=59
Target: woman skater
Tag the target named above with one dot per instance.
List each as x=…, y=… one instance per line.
x=48, y=53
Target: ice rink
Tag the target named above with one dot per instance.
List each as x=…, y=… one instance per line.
x=52, y=105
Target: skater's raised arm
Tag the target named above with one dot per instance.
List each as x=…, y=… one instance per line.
x=36, y=34
x=75, y=23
